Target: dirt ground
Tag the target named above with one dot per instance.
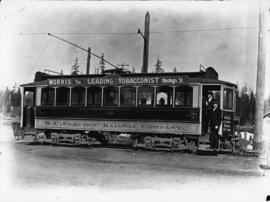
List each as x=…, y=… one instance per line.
x=33, y=172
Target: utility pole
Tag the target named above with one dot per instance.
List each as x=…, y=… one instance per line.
x=259, y=111
x=88, y=61
x=146, y=42
x=102, y=63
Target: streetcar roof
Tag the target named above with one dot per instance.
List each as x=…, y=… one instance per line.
x=188, y=78
x=36, y=83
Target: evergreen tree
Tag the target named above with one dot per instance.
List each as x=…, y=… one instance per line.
x=15, y=98
x=158, y=66
x=252, y=106
x=75, y=68
x=174, y=69
x=238, y=102
x=6, y=100
x=1, y=98
x=244, y=105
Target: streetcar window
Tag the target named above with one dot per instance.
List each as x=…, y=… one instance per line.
x=228, y=99
x=164, y=96
x=94, y=96
x=29, y=99
x=47, y=96
x=146, y=96
x=128, y=96
x=183, y=96
x=77, y=96
x=62, y=96
x=110, y=96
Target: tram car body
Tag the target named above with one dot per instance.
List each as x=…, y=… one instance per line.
x=149, y=110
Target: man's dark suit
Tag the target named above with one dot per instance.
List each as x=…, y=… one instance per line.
x=214, y=124
x=207, y=113
x=209, y=108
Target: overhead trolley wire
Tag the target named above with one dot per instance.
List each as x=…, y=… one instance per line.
x=83, y=50
x=135, y=33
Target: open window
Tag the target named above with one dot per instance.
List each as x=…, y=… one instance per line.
x=146, y=96
x=183, y=96
x=94, y=96
x=128, y=96
x=62, y=96
x=164, y=96
x=77, y=96
x=215, y=89
x=110, y=96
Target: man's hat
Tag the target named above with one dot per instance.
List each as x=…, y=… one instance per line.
x=210, y=93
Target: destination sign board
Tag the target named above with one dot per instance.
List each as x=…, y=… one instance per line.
x=116, y=80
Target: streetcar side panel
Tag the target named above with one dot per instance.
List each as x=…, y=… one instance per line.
x=173, y=119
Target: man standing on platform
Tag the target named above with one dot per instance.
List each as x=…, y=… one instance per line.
x=207, y=111
x=214, y=124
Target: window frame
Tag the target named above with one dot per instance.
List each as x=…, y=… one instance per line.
x=232, y=100
x=185, y=96
x=88, y=94
x=68, y=99
x=53, y=96
x=135, y=96
x=83, y=100
x=105, y=98
x=171, y=96
x=152, y=97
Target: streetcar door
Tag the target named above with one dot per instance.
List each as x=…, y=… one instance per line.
x=28, y=107
x=215, y=89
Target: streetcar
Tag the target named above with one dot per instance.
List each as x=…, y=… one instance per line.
x=149, y=110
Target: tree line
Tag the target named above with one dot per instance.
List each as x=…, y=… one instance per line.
x=10, y=100
x=245, y=105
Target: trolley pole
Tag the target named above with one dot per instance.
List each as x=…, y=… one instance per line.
x=88, y=61
x=259, y=111
x=73, y=44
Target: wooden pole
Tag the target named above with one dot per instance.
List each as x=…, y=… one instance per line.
x=146, y=43
x=88, y=61
x=259, y=111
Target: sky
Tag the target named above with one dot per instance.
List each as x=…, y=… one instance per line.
x=185, y=35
